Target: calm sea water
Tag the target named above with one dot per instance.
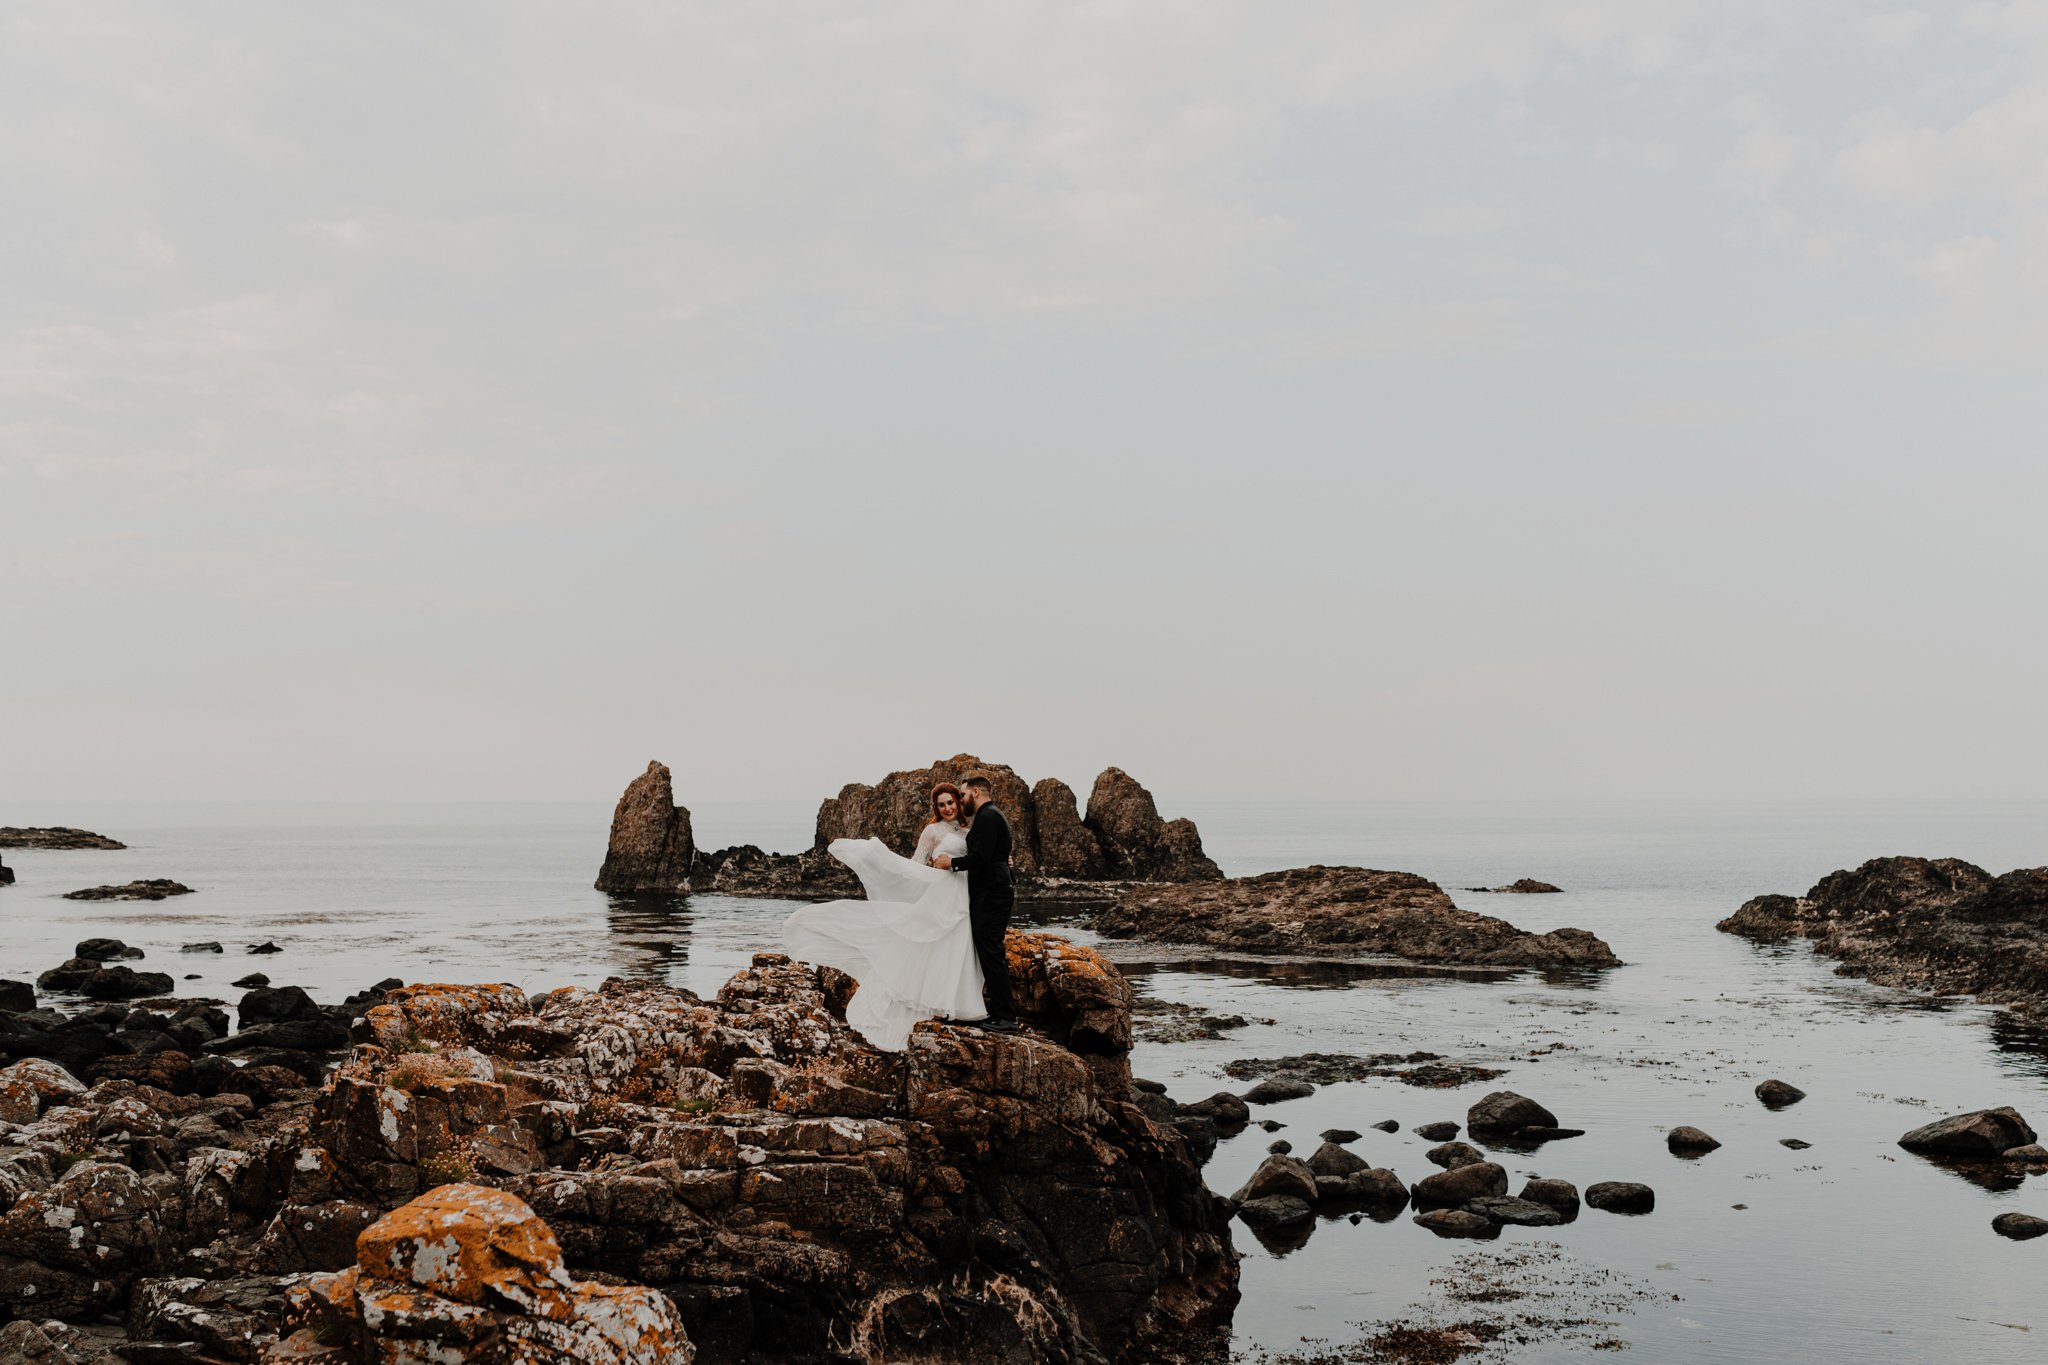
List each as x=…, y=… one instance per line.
x=1851, y=1250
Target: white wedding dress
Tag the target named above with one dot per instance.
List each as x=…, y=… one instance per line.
x=909, y=944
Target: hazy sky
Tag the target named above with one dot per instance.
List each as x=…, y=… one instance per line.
x=1620, y=397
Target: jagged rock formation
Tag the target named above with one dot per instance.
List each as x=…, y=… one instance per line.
x=602, y=1159
x=1937, y=924
x=1122, y=837
x=1352, y=910
x=55, y=836
x=651, y=848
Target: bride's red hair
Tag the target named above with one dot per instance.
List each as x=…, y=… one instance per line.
x=944, y=789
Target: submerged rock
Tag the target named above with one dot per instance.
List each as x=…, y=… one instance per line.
x=1979, y=1133
x=154, y=889
x=97, y=981
x=1460, y=1185
x=1527, y=1213
x=1524, y=886
x=1279, y=1089
x=1777, y=1094
x=55, y=836
x=1937, y=924
x=1434, y=1132
x=1457, y=1223
x=1451, y=1155
x=1561, y=1195
x=1342, y=909
x=1621, y=1196
x=2020, y=1227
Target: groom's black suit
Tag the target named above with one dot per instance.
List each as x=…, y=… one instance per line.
x=991, y=894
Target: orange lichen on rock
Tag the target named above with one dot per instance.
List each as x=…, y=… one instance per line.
x=470, y=1274
x=441, y=1013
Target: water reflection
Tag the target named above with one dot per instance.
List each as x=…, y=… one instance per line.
x=650, y=934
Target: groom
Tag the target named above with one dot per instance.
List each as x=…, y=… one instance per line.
x=990, y=896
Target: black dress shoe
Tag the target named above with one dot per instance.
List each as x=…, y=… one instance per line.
x=998, y=1025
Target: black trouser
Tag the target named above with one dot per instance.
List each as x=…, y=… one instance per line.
x=991, y=920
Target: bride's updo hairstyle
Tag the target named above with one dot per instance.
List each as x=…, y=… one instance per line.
x=944, y=789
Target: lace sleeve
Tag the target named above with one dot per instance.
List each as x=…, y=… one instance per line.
x=926, y=842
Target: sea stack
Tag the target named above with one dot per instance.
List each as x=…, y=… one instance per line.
x=651, y=847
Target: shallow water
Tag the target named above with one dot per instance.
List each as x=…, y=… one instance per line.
x=1851, y=1250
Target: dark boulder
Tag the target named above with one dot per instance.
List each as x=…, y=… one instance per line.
x=1561, y=1195
x=105, y=950
x=1526, y=1213
x=1505, y=1112
x=55, y=837
x=276, y=1004
x=1460, y=1185
x=1777, y=1094
x=1278, y=1089
x=1342, y=1134
x=1435, y=1132
x=6, y=875
x=1685, y=1138
x=1457, y=1223
x=1225, y=1110
x=83, y=976
x=1451, y=1155
x=1979, y=1133
x=210, y=946
x=1332, y=1160
x=265, y=948
x=2020, y=1227
x=2033, y=1153
x=1393, y=1126
x=253, y=979
x=16, y=996
x=1279, y=1175
x=1621, y=1196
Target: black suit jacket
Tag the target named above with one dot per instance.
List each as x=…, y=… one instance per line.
x=987, y=859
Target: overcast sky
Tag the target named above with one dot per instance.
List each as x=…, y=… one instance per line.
x=1610, y=398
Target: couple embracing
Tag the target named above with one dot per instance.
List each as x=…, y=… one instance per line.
x=927, y=943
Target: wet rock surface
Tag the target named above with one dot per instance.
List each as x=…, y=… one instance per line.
x=1979, y=1133
x=1937, y=924
x=1777, y=1094
x=1688, y=1139
x=152, y=889
x=1342, y=909
x=55, y=837
x=2021, y=1227
x=1621, y=1196
x=741, y=1176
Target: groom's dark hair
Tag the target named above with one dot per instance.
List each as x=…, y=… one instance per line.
x=976, y=780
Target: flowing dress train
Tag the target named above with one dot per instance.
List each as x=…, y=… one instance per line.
x=910, y=944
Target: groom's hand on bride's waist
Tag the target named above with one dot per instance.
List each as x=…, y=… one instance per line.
x=943, y=861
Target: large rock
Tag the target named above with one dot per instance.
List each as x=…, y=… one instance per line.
x=1279, y=1174
x=1937, y=924
x=470, y=1273
x=651, y=848
x=1136, y=842
x=55, y=836
x=29, y=1085
x=1979, y=1133
x=96, y=981
x=1505, y=1113
x=1621, y=1196
x=896, y=809
x=1350, y=910
x=1460, y=1185
x=73, y=1249
x=1066, y=847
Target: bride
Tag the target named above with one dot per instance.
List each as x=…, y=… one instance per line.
x=910, y=944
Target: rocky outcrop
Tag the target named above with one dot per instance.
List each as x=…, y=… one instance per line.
x=1136, y=843
x=152, y=889
x=1937, y=924
x=55, y=836
x=1351, y=910
x=651, y=848
x=1121, y=838
x=741, y=1173
x=1523, y=886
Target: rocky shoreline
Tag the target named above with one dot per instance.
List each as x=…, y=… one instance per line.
x=631, y=1173
x=1935, y=924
